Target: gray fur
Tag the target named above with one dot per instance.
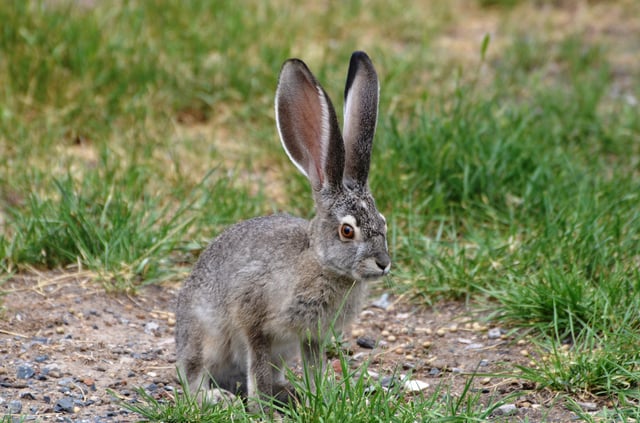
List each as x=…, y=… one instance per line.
x=270, y=288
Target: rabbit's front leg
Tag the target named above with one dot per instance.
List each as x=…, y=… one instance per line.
x=260, y=374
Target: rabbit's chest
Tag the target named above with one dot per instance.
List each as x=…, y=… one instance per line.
x=322, y=304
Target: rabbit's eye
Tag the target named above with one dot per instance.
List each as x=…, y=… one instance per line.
x=347, y=231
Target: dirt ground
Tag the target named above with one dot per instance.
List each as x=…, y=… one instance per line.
x=70, y=352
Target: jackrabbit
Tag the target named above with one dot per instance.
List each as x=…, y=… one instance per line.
x=271, y=287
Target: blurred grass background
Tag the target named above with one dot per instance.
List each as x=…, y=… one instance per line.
x=507, y=158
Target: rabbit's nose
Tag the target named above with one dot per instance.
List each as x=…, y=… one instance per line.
x=384, y=262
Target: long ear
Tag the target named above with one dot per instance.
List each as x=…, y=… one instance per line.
x=308, y=126
x=360, y=117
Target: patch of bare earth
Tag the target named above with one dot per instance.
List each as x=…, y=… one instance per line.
x=70, y=352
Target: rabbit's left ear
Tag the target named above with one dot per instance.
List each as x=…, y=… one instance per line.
x=360, y=117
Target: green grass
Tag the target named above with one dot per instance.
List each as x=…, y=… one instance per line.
x=133, y=132
x=349, y=397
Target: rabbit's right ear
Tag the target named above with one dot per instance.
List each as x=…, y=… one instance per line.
x=308, y=126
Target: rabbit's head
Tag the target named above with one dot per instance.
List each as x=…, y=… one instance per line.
x=348, y=233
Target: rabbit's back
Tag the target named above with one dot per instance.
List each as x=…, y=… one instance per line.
x=240, y=259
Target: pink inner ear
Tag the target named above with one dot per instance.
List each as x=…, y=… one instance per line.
x=312, y=130
x=301, y=111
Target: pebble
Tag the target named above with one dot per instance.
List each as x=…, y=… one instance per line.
x=64, y=405
x=477, y=327
x=41, y=358
x=415, y=386
x=382, y=302
x=441, y=332
x=506, y=410
x=494, y=333
x=391, y=338
x=25, y=371
x=52, y=370
x=357, y=332
x=151, y=327
x=427, y=344
x=387, y=382
x=15, y=407
x=365, y=342
x=524, y=353
x=588, y=406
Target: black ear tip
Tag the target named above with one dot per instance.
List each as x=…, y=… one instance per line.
x=359, y=55
x=359, y=62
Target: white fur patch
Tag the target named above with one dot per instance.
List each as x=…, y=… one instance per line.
x=384, y=220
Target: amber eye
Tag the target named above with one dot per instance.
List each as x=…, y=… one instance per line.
x=347, y=231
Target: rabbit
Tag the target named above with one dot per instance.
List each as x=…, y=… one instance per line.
x=269, y=289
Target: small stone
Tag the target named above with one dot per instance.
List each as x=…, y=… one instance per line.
x=524, y=353
x=485, y=380
x=494, y=333
x=151, y=327
x=391, y=338
x=357, y=332
x=59, y=330
x=415, y=386
x=15, y=407
x=53, y=370
x=521, y=342
x=171, y=321
x=453, y=328
x=506, y=410
x=365, y=342
x=441, y=332
x=588, y=406
x=427, y=344
x=387, y=382
x=484, y=363
x=364, y=314
x=382, y=302
x=434, y=372
x=477, y=326
x=64, y=405
x=475, y=346
x=25, y=371
x=41, y=358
